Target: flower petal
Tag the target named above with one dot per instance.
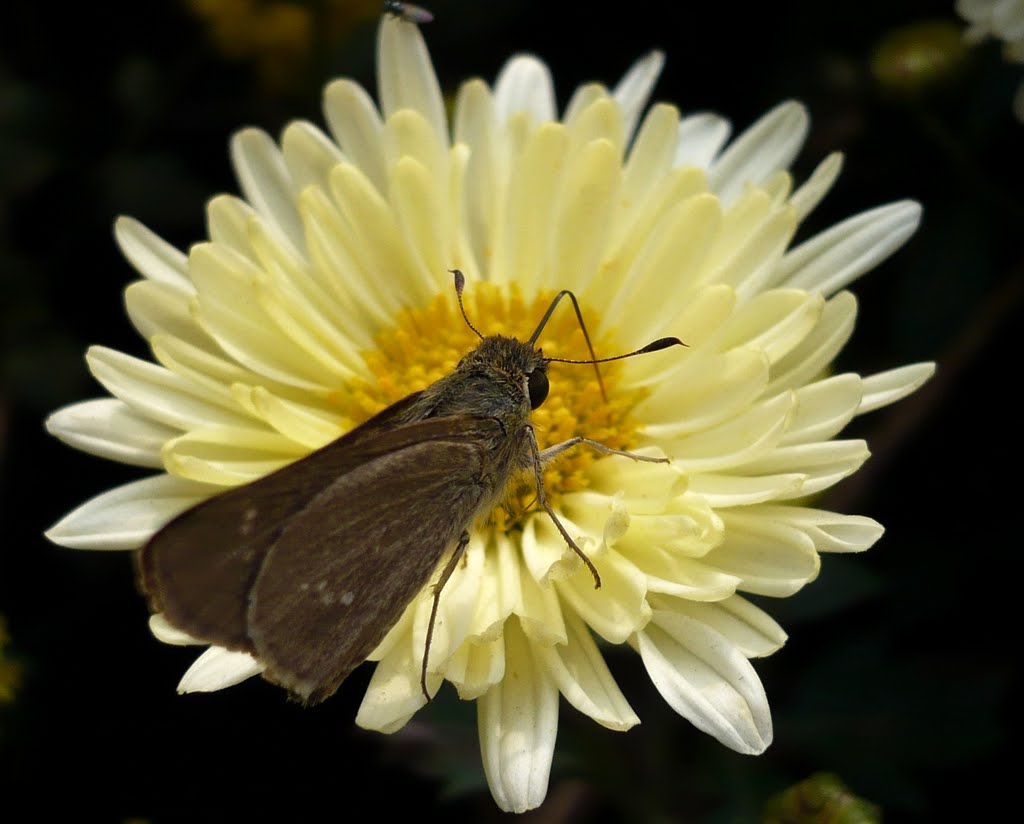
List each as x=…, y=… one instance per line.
x=583, y=213
x=634, y=89
x=308, y=154
x=888, y=387
x=706, y=680
x=395, y=693
x=357, y=126
x=721, y=490
x=580, y=672
x=518, y=722
x=650, y=156
x=405, y=75
x=829, y=531
x=738, y=441
x=168, y=633
x=824, y=463
x=832, y=259
x=154, y=392
x=152, y=256
x=109, y=428
x=524, y=85
x=616, y=610
x=158, y=308
x=804, y=199
x=823, y=408
x=770, y=144
x=768, y=557
x=812, y=355
x=218, y=668
x=476, y=667
x=747, y=627
x=521, y=246
x=127, y=516
x=228, y=456
x=264, y=178
x=700, y=139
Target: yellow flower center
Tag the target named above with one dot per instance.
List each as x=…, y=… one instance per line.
x=426, y=344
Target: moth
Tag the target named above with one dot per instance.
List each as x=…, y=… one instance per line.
x=307, y=568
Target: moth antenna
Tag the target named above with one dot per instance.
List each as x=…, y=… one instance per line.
x=653, y=346
x=583, y=328
x=460, y=284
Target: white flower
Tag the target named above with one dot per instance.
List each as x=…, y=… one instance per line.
x=1003, y=20
x=325, y=295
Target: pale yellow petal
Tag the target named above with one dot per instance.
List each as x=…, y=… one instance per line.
x=518, y=721
x=581, y=675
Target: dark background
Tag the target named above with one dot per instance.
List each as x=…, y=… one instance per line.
x=898, y=675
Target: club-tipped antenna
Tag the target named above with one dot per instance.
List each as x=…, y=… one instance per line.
x=653, y=346
x=583, y=328
x=460, y=284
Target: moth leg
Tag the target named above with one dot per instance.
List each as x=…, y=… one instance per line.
x=446, y=573
x=558, y=449
x=538, y=470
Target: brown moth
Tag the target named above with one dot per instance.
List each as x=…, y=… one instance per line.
x=307, y=568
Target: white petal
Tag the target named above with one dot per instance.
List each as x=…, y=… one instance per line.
x=832, y=259
x=156, y=308
x=706, y=680
x=634, y=90
x=580, y=672
x=254, y=337
x=804, y=199
x=227, y=222
x=888, y=387
x=737, y=490
x=767, y=146
x=308, y=154
x=829, y=531
x=522, y=242
x=770, y=558
x=705, y=390
x=108, y=428
x=152, y=256
x=155, y=392
x=736, y=441
x=747, y=627
x=616, y=610
x=824, y=463
x=266, y=183
x=524, y=85
x=823, y=408
x=583, y=214
x=650, y=157
x=167, y=633
x=357, y=126
x=395, y=693
x=813, y=355
x=218, y=668
x=127, y=516
x=476, y=667
x=228, y=456
x=405, y=75
x=518, y=723
x=701, y=137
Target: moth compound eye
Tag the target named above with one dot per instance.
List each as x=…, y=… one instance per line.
x=538, y=386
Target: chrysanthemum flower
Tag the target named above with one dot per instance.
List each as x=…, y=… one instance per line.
x=1003, y=20
x=324, y=296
